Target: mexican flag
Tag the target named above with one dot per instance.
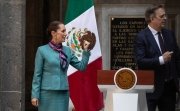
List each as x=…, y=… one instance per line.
x=84, y=93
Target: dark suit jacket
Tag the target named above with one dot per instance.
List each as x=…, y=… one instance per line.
x=147, y=56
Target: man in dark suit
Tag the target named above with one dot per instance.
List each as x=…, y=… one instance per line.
x=156, y=49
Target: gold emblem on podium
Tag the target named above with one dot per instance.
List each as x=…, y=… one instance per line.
x=125, y=79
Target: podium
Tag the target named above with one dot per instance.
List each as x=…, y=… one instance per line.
x=145, y=82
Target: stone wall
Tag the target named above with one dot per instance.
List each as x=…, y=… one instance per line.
x=12, y=57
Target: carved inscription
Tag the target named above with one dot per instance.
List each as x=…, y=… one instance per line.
x=123, y=33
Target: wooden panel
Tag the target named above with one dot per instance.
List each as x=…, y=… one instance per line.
x=106, y=77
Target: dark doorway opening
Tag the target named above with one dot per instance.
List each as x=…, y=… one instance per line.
x=38, y=15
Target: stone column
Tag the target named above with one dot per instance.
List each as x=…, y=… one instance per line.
x=12, y=55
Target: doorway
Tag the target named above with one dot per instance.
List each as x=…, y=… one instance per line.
x=38, y=15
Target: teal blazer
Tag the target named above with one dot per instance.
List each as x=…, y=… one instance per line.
x=48, y=74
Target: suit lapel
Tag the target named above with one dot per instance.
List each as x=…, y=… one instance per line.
x=152, y=40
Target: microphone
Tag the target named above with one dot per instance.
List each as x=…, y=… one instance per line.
x=115, y=67
x=115, y=62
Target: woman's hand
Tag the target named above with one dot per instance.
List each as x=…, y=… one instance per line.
x=86, y=45
x=35, y=102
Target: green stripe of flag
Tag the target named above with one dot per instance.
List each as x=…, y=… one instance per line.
x=75, y=8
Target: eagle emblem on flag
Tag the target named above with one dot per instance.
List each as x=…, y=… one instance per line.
x=76, y=38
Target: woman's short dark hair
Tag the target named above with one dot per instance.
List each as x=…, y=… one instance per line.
x=150, y=12
x=53, y=26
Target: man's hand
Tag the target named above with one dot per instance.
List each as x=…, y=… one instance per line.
x=167, y=56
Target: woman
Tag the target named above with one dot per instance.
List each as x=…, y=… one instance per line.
x=50, y=89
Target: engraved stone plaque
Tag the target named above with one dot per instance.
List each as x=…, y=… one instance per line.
x=123, y=33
